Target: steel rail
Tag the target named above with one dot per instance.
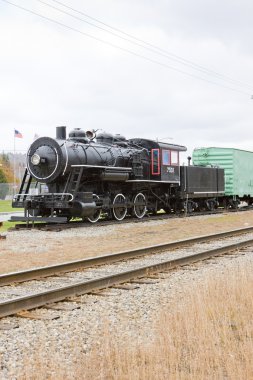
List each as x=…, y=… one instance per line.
x=11, y=307
x=36, y=273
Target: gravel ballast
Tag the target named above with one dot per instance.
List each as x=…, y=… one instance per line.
x=81, y=329
x=28, y=249
x=138, y=307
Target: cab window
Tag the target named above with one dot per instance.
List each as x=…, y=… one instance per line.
x=174, y=157
x=155, y=161
x=166, y=157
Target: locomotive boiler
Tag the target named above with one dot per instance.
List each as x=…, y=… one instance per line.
x=86, y=175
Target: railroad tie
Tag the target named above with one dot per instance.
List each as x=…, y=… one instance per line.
x=36, y=314
x=126, y=286
x=62, y=306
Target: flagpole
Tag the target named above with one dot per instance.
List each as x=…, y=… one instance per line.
x=14, y=165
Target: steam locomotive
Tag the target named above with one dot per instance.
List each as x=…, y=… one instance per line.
x=86, y=175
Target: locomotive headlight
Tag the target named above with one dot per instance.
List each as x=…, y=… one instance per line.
x=35, y=160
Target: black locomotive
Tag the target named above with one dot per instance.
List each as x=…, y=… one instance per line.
x=86, y=175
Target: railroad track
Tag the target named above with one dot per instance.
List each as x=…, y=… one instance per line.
x=102, y=222
x=104, y=280
x=106, y=222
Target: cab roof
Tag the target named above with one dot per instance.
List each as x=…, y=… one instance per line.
x=151, y=144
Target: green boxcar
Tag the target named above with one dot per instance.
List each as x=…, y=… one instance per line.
x=237, y=164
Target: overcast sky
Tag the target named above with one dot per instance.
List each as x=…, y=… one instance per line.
x=51, y=75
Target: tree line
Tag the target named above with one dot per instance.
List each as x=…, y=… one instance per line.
x=7, y=174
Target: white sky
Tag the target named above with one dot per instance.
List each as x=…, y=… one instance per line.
x=50, y=75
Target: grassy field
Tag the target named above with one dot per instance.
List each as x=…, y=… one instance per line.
x=207, y=334
x=5, y=206
x=6, y=225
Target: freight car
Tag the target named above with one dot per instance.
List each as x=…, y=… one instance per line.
x=85, y=175
x=238, y=167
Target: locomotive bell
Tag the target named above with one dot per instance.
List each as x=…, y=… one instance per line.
x=90, y=134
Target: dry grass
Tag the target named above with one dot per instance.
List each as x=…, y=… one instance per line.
x=207, y=334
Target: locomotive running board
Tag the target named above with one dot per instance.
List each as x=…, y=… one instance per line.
x=123, y=168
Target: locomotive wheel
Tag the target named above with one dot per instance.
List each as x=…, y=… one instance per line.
x=96, y=215
x=140, y=206
x=119, y=208
x=94, y=218
x=188, y=207
x=208, y=205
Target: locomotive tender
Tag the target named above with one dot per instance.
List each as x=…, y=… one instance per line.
x=86, y=175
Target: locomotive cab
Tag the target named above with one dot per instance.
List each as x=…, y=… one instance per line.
x=164, y=160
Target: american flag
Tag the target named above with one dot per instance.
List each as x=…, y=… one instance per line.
x=18, y=134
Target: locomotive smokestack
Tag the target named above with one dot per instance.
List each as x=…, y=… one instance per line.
x=61, y=133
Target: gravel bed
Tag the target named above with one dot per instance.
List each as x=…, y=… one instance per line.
x=24, y=238
x=31, y=248
x=82, y=328
x=35, y=286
